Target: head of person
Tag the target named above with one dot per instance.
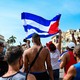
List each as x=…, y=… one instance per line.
x=13, y=56
x=24, y=46
x=24, y=40
x=70, y=46
x=27, y=41
x=76, y=51
x=1, y=47
x=36, y=39
x=51, y=46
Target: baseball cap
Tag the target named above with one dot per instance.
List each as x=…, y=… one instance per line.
x=71, y=45
x=49, y=43
x=51, y=46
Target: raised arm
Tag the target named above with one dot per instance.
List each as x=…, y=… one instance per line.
x=59, y=41
x=73, y=38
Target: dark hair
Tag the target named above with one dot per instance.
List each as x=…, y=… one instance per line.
x=36, y=38
x=52, y=47
x=35, y=35
x=24, y=40
x=13, y=53
x=69, y=48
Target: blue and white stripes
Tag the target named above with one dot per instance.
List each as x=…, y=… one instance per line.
x=37, y=24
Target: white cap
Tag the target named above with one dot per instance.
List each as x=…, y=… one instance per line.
x=71, y=45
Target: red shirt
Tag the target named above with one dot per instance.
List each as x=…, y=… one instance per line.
x=71, y=61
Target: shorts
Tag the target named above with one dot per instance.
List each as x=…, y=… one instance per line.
x=41, y=75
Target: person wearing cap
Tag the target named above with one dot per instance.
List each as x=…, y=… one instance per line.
x=3, y=63
x=68, y=58
x=54, y=55
x=73, y=72
x=27, y=42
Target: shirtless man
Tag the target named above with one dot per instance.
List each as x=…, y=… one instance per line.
x=39, y=68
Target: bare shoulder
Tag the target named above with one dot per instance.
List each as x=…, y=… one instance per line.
x=27, y=51
x=46, y=49
x=72, y=70
x=63, y=60
x=66, y=56
x=70, y=74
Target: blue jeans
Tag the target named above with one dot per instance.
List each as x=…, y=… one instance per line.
x=56, y=74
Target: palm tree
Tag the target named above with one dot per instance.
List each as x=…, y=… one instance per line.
x=8, y=41
x=11, y=40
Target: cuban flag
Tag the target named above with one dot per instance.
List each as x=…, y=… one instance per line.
x=36, y=24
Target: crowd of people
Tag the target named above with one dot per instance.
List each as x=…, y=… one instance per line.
x=38, y=62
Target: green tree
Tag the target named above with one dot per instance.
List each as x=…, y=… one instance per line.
x=11, y=40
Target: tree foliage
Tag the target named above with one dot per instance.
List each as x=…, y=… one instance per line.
x=11, y=40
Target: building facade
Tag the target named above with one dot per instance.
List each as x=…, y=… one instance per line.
x=66, y=37
x=2, y=38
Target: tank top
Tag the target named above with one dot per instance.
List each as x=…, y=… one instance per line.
x=77, y=67
x=71, y=61
x=18, y=76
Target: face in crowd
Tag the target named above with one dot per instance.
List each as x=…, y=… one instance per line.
x=1, y=47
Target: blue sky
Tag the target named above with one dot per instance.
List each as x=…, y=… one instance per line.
x=10, y=15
